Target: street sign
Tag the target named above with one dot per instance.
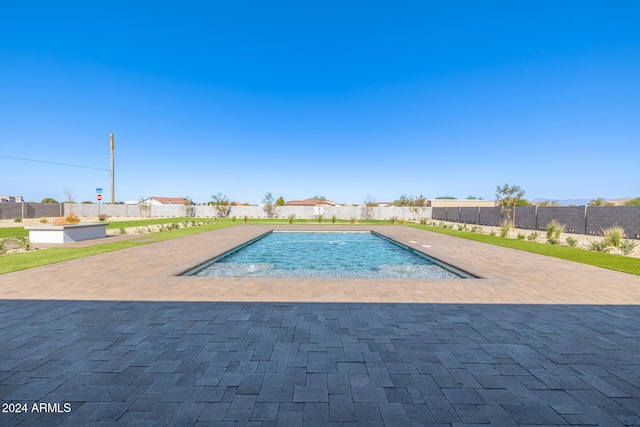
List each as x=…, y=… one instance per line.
x=99, y=197
x=98, y=190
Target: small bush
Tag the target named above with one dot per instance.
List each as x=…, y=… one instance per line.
x=598, y=246
x=441, y=225
x=233, y=218
x=462, y=227
x=334, y=219
x=23, y=242
x=476, y=229
x=571, y=242
x=505, y=227
x=533, y=236
x=291, y=218
x=44, y=220
x=353, y=220
x=627, y=246
x=521, y=236
x=245, y=219
x=402, y=221
x=613, y=236
x=17, y=219
x=319, y=218
x=3, y=248
x=423, y=221
x=122, y=230
x=553, y=241
x=554, y=230
x=492, y=233
x=393, y=219
x=102, y=217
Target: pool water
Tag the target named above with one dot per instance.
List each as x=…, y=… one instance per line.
x=325, y=255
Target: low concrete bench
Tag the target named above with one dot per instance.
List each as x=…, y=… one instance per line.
x=66, y=233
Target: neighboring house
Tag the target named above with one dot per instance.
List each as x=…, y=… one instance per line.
x=311, y=202
x=14, y=199
x=165, y=201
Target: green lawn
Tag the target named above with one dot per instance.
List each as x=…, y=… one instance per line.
x=598, y=259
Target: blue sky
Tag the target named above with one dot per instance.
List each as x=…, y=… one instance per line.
x=345, y=100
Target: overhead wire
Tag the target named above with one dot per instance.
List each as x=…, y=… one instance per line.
x=54, y=163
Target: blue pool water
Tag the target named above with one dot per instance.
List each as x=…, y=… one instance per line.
x=324, y=254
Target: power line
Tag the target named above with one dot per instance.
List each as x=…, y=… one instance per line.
x=53, y=163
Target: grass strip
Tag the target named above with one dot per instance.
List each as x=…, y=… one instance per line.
x=598, y=259
x=25, y=260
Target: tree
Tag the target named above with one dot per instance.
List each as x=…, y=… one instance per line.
x=417, y=205
x=549, y=203
x=270, y=206
x=633, y=202
x=49, y=200
x=599, y=201
x=221, y=204
x=367, y=208
x=189, y=207
x=509, y=196
x=280, y=201
x=403, y=200
x=445, y=198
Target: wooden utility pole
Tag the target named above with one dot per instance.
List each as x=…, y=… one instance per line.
x=112, y=189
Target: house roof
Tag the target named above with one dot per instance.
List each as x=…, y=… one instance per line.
x=170, y=200
x=309, y=202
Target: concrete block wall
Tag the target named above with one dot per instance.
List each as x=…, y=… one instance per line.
x=439, y=214
x=573, y=217
x=526, y=217
x=469, y=215
x=13, y=210
x=489, y=216
x=601, y=217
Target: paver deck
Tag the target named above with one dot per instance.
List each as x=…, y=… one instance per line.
x=125, y=341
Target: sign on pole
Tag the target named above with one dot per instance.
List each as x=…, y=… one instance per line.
x=99, y=197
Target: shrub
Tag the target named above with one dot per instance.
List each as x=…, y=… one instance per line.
x=598, y=246
x=402, y=221
x=122, y=230
x=3, y=248
x=462, y=227
x=291, y=218
x=553, y=241
x=233, y=218
x=353, y=220
x=613, y=236
x=521, y=236
x=333, y=219
x=393, y=219
x=627, y=246
x=17, y=219
x=533, y=236
x=554, y=230
x=102, y=217
x=23, y=242
x=44, y=220
x=319, y=218
x=476, y=229
x=505, y=227
x=423, y=221
x=245, y=218
x=492, y=233
x=571, y=242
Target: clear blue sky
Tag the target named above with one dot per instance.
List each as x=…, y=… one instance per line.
x=342, y=99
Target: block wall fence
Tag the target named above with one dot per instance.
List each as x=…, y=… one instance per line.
x=577, y=219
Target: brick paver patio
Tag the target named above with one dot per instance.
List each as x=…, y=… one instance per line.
x=125, y=341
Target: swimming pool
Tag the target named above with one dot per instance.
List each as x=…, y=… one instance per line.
x=325, y=255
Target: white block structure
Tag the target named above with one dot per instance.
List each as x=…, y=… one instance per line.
x=66, y=233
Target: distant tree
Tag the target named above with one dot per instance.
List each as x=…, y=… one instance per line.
x=417, y=205
x=633, y=202
x=403, y=200
x=509, y=196
x=446, y=198
x=280, y=201
x=548, y=203
x=189, y=207
x=49, y=200
x=320, y=198
x=367, y=209
x=270, y=207
x=86, y=202
x=221, y=204
x=523, y=202
x=599, y=201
